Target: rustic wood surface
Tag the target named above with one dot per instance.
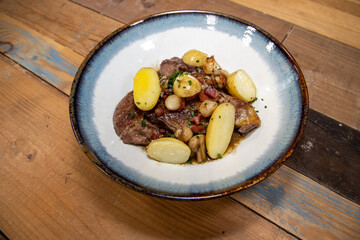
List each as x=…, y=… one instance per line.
x=50, y=190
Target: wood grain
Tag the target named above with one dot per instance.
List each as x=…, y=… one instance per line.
x=336, y=21
x=304, y=208
x=50, y=190
x=45, y=57
x=332, y=74
x=130, y=10
x=67, y=23
x=329, y=154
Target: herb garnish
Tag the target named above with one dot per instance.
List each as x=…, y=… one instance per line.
x=174, y=76
x=143, y=123
x=219, y=155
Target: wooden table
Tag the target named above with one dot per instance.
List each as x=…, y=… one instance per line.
x=50, y=190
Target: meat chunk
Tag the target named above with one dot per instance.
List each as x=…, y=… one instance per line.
x=129, y=123
x=246, y=119
x=169, y=66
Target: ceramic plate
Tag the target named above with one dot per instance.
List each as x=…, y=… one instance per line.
x=107, y=73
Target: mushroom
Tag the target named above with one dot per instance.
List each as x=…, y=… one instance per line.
x=183, y=134
x=197, y=145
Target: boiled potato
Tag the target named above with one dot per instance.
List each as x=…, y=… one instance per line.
x=194, y=58
x=186, y=86
x=169, y=150
x=220, y=129
x=146, y=89
x=241, y=85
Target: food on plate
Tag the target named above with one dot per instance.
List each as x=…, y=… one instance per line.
x=146, y=89
x=190, y=110
x=169, y=150
x=220, y=130
x=241, y=86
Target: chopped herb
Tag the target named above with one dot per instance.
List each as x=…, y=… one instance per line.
x=190, y=82
x=192, y=114
x=253, y=99
x=178, y=85
x=201, y=123
x=219, y=155
x=197, y=136
x=143, y=123
x=205, y=104
x=189, y=123
x=218, y=86
x=189, y=161
x=184, y=87
x=174, y=76
x=257, y=111
x=265, y=106
x=132, y=116
x=219, y=116
x=197, y=61
x=213, y=70
x=145, y=103
x=212, y=119
x=187, y=116
x=169, y=135
x=138, y=103
x=262, y=99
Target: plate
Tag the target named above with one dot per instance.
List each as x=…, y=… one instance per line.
x=107, y=73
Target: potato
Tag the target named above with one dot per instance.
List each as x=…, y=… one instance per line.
x=146, y=89
x=220, y=129
x=240, y=85
x=186, y=86
x=194, y=58
x=169, y=150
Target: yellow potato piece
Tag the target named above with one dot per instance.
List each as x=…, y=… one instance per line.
x=146, y=89
x=194, y=58
x=169, y=150
x=241, y=85
x=220, y=129
x=186, y=86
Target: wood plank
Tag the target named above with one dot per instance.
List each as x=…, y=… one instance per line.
x=130, y=10
x=329, y=154
x=303, y=207
x=67, y=23
x=43, y=56
x=332, y=74
x=334, y=22
x=50, y=190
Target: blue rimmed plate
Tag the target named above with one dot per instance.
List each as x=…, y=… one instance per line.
x=107, y=73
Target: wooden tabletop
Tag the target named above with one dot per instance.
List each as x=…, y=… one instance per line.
x=50, y=190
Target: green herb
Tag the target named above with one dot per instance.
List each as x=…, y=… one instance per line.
x=138, y=103
x=190, y=82
x=143, y=123
x=197, y=61
x=219, y=116
x=262, y=99
x=187, y=116
x=189, y=123
x=184, y=87
x=253, y=99
x=132, y=116
x=218, y=86
x=219, y=155
x=174, y=76
x=145, y=103
x=265, y=106
x=212, y=119
x=257, y=111
x=201, y=123
x=192, y=114
x=197, y=137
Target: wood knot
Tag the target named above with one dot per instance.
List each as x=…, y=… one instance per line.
x=6, y=46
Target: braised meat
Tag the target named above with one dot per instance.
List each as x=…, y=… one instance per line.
x=138, y=127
